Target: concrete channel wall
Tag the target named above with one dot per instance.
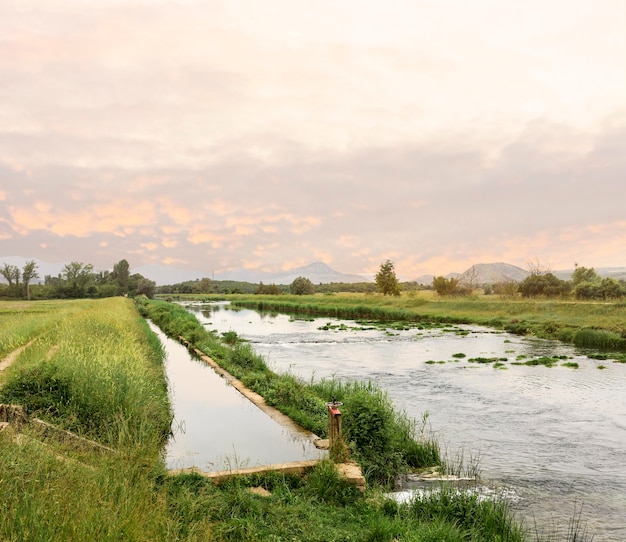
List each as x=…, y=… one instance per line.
x=350, y=470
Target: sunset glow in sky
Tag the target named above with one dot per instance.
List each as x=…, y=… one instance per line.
x=229, y=134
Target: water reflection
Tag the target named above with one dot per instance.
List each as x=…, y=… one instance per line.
x=215, y=427
x=556, y=435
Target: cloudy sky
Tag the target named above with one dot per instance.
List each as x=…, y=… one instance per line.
x=230, y=134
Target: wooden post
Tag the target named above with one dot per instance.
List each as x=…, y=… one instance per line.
x=335, y=438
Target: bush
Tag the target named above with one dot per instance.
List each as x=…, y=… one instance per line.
x=301, y=286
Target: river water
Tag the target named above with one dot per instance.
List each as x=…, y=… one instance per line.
x=553, y=438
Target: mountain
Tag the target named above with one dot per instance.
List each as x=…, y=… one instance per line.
x=489, y=273
x=482, y=273
x=317, y=273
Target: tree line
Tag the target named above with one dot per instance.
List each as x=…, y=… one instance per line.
x=76, y=280
x=384, y=282
x=585, y=284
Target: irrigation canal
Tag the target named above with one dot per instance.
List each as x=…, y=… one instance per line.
x=215, y=427
x=552, y=439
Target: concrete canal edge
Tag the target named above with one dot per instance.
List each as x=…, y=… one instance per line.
x=252, y=396
x=349, y=471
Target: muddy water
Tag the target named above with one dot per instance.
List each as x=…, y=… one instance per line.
x=215, y=427
x=554, y=438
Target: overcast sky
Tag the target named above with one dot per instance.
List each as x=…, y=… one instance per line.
x=228, y=134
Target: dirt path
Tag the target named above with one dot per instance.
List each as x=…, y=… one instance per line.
x=13, y=355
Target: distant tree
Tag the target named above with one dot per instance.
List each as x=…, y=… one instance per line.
x=546, y=285
x=386, y=279
x=121, y=274
x=449, y=287
x=611, y=288
x=12, y=275
x=506, y=288
x=302, y=286
x=145, y=287
x=78, y=277
x=535, y=267
x=470, y=278
x=204, y=286
x=584, y=274
x=29, y=272
x=268, y=289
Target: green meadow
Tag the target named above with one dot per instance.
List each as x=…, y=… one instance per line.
x=93, y=370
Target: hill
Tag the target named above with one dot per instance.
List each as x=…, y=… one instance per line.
x=317, y=273
x=482, y=273
x=489, y=273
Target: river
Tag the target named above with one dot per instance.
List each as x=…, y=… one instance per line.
x=553, y=438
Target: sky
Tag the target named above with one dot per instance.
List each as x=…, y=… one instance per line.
x=223, y=135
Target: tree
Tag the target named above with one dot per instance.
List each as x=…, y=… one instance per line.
x=584, y=274
x=302, y=286
x=547, y=285
x=11, y=273
x=77, y=276
x=611, y=288
x=145, y=287
x=121, y=273
x=204, y=286
x=451, y=286
x=506, y=288
x=267, y=289
x=29, y=272
x=470, y=278
x=386, y=279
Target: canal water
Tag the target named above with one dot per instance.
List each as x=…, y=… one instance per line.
x=215, y=427
x=552, y=439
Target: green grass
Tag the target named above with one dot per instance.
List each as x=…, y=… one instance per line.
x=93, y=368
x=323, y=507
x=94, y=372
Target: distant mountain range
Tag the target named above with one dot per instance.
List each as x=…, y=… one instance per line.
x=483, y=273
x=317, y=273
x=489, y=273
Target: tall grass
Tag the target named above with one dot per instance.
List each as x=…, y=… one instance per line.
x=93, y=368
x=20, y=321
x=47, y=498
x=95, y=373
x=384, y=439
